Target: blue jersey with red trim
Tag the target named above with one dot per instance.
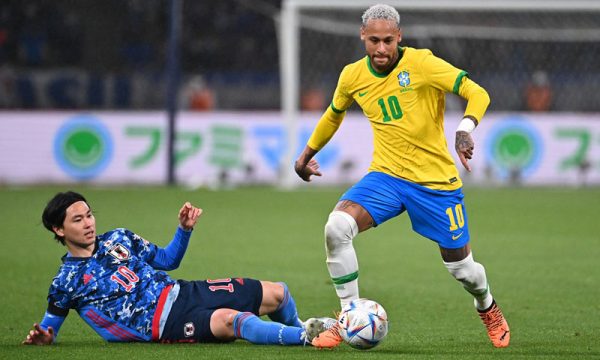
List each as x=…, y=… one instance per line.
x=116, y=290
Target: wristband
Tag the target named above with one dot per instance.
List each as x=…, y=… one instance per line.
x=467, y=125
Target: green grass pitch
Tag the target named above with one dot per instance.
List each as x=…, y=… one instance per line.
x=540, y=246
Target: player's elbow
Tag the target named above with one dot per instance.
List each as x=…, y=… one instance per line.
x=480, y=96
x=167, y=264
x=475, y=93
x=172, y=265
x=485, y=97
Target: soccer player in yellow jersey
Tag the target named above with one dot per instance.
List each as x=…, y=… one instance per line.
x=401, y=90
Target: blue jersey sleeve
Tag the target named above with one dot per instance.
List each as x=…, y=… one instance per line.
x=170, y=257
x=52, y=320
x=54, y=317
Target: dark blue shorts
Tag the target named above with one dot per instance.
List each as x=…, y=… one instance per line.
x=439, y=215
x=189, y=319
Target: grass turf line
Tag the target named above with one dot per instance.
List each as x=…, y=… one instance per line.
x=539, y=245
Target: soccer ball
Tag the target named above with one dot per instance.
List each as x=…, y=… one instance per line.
x=363, y=324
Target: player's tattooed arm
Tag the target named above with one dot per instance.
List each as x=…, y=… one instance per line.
x=305, y=166
x=464, y=146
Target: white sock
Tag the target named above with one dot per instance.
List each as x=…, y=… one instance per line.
x=342, y=263
x=472, y=276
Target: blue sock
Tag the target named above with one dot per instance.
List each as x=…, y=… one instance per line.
x=286, y=313
x=250, y=327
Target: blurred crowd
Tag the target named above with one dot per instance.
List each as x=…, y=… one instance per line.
x=125, y=35
x=111, y=54
x=121, y=44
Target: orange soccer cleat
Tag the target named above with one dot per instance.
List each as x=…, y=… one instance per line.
x=496, y=325
x=329, y=338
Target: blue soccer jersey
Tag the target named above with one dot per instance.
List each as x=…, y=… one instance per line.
x=116, y=290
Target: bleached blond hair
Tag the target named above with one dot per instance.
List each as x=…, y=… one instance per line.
x=383, y=12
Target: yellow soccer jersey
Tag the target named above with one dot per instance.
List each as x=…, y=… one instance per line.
x=406, y=111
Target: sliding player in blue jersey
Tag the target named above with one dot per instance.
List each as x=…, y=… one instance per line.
x=116, y=282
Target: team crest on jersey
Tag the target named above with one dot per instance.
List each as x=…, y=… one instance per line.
x=119, y=252
x=404, y=78
x=189, y=329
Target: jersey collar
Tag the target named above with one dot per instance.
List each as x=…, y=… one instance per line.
x=68, y=258
x=382, y=75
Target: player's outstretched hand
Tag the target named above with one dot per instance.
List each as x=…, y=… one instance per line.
x=308, y=170
x=188, y=215
x=39, y=336
x=464, y=146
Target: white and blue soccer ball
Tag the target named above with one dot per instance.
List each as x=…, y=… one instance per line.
x=363, y=324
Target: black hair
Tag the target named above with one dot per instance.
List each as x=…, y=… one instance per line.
x=56, y=210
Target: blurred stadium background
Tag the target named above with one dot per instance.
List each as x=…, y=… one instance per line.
x=112, y=54
x=89, y=102
x=99, y=87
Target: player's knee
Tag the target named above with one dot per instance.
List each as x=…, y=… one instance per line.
x=224, y=317
x=340, y=229
x=278, y=292
x=467, y=271
x=221, y=323
x=273, y=295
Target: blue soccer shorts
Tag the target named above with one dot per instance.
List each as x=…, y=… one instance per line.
x=189, y=319
x=438, y=215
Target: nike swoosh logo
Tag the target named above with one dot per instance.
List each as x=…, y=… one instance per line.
x=457, y=236
x=503, y=335
x=361, y=94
